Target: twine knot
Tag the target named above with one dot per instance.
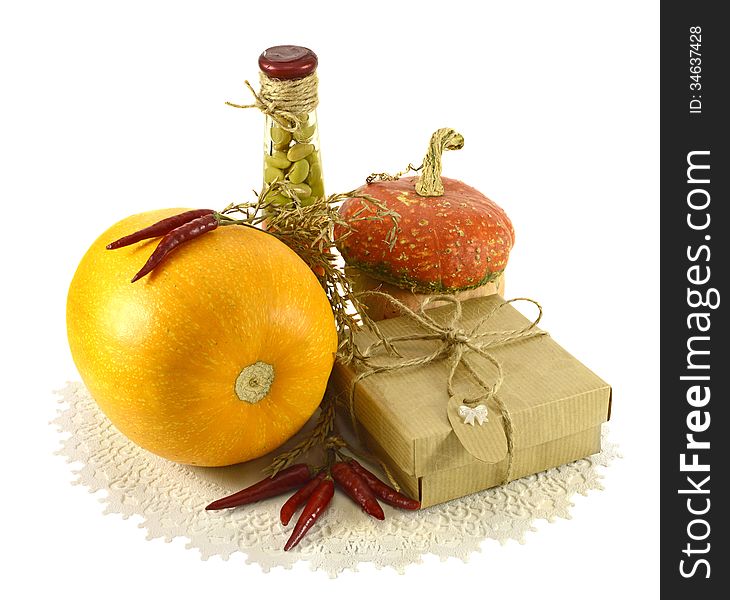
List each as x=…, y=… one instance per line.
x=455, y=345
x=455, y=336
x=334, y=442
x=286, y=101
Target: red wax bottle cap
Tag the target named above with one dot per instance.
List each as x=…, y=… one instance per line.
x=288, y=62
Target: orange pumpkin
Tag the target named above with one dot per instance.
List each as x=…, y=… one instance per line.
x=452, y=239
x=218, y=357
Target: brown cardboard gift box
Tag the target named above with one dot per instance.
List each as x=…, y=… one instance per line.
x=556, y=404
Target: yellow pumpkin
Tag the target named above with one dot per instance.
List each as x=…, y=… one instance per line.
x=218, y=357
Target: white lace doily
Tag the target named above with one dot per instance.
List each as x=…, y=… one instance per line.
x=171, y=499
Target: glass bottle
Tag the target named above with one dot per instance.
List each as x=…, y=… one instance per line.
x=292, y=156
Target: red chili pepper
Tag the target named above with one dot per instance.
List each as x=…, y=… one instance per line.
x=160, y=228
x=317, y=503
x=382, y=490
x=283, y=481
x=184, y=233
x=299, y=498
x=357, y=488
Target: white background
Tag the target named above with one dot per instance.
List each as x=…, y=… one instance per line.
x=113, y=108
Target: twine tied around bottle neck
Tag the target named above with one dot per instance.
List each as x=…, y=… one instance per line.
x=286, y=101
x=455, y=343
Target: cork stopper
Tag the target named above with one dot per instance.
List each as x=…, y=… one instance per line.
x=288, y=62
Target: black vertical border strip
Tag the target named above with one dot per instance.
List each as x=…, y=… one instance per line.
x=681, y=133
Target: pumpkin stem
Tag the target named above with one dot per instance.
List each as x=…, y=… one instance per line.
x=429, y=183
x=254, y=382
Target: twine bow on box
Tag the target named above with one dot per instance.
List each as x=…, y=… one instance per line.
x=455, y=344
